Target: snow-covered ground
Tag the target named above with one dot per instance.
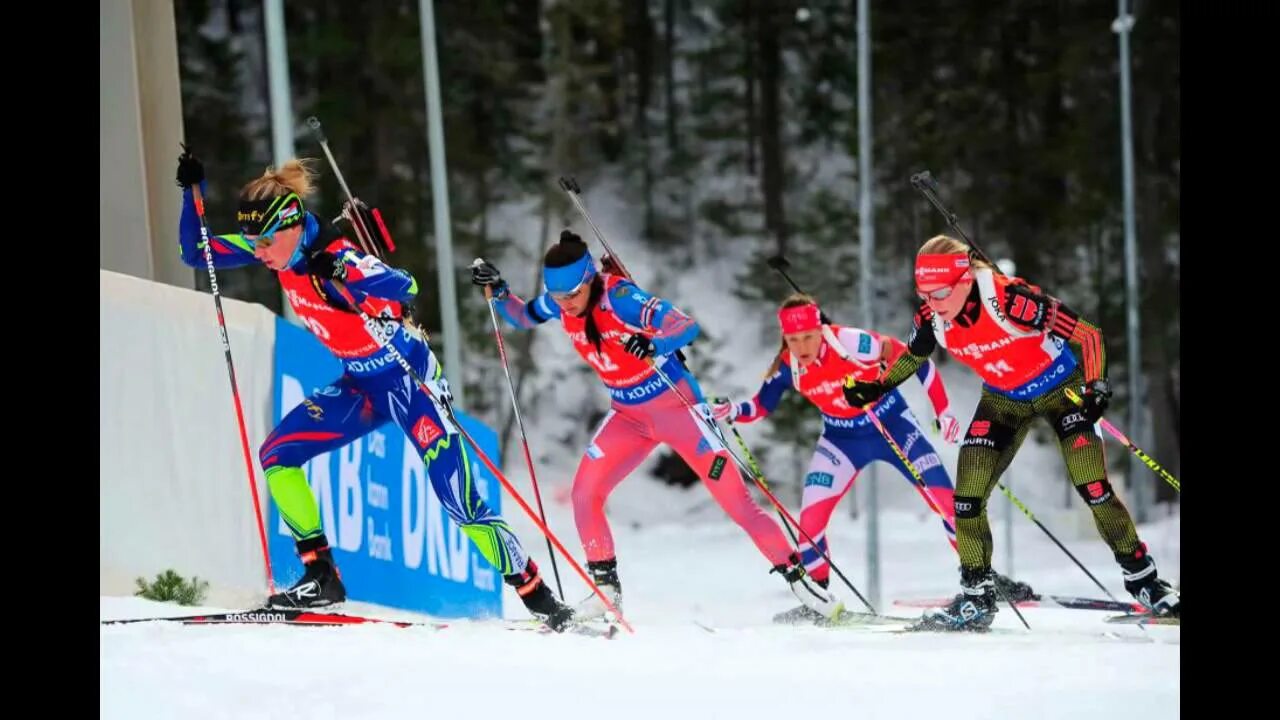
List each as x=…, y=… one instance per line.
x=704, y=571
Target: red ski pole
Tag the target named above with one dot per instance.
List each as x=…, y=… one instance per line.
x=231, y=372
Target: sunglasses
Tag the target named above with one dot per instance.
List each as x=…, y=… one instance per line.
x=939, y=294
x=943, y=293
x=567, y=296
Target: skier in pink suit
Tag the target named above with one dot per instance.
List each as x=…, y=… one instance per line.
x=626, y=334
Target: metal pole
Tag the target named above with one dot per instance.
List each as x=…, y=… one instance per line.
x=867, y=240
x=1138, y=483
x=281, y=107
x=440, y=203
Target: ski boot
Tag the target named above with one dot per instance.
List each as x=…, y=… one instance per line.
x=813, y=594
x=1142, y=582
x=604, y=573
x=538, y=598
x=970, y=611
x=802, y=614
x=321, y=584
x=1013, y=590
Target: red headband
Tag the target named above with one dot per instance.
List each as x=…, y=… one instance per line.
x=944, y=270
x=801, y=318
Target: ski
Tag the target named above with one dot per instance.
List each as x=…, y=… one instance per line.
x=1082, y=603
x=1052, y=601
x=608, y=632
x=587, y=628
x=298, y=617
x=278, y=616
x=1144, y=619
x=858, y=619
x=846, y=619
x=1109, y=635
x=913, y=628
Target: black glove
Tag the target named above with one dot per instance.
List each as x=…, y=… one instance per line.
x=640, y=346
x=922, y=341
x=923, y=317
x=1097, y=396
x=485, y=273
x=860, y=394
x=1026, y=307
x=190, y=170
x=327, y=265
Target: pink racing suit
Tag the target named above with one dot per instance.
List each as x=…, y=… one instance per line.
x=644, y=411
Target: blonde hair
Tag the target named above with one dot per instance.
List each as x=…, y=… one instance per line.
x=297, y=175
x=793, y=300
x=946, y=245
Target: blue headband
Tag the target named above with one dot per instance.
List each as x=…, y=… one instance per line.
x=567, y=279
